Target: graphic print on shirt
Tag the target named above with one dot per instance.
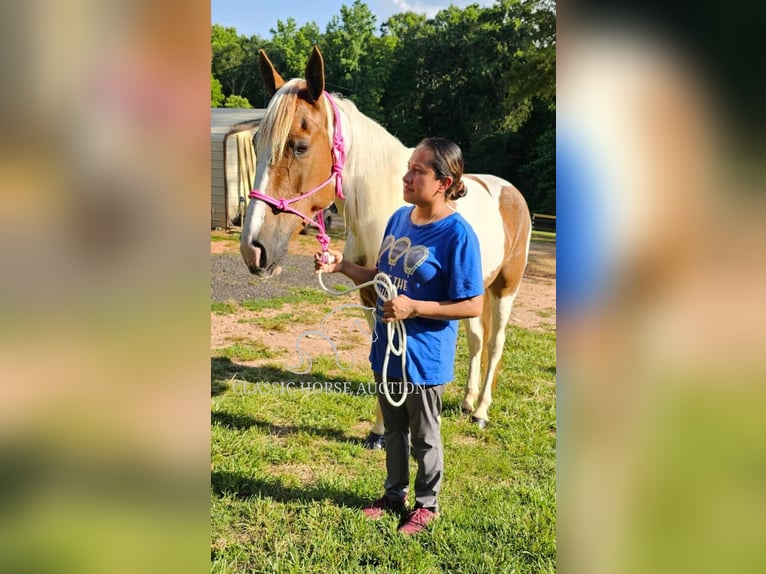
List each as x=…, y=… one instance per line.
x=414, y=257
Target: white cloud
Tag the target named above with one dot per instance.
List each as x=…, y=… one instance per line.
x=430, y=9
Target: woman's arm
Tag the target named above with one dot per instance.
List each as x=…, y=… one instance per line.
x=356, y=273
x=402, y=307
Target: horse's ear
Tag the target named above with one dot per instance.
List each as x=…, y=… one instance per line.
x=271, y=78
x=315, y=74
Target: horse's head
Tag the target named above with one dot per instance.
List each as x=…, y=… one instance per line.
x=294, y=156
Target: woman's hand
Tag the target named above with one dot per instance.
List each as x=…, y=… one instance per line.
x=332, y=265
x=399, y=308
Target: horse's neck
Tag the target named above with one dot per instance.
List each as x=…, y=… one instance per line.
x=375, y=164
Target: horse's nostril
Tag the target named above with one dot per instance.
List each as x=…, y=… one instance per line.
x=260, y=254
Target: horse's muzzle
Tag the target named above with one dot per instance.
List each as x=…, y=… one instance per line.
x=256, y=259
x=254, y=255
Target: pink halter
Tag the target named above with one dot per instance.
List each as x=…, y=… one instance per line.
x=338, y=161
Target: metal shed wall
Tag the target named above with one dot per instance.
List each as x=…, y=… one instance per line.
x=232, y=158
x=217, y=182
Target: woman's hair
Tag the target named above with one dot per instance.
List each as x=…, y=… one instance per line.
x=447, y=162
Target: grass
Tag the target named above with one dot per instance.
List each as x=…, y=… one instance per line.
x=224, y=236
x=250, y=351
x=544, y=236
x=224, y=307
x=289, y=474
x=297, y=295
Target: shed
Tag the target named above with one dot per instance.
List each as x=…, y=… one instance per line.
x=232, y=163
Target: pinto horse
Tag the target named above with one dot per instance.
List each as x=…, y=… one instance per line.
x=313, y=150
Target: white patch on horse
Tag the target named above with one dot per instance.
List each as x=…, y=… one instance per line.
x=256, y=213
x=481, y=209
x=262, y=184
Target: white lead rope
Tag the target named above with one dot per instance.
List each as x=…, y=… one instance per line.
x=386, y=290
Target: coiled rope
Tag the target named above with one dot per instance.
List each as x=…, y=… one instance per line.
x=386, y=290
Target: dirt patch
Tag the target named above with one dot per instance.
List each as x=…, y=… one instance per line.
x=297, y=341
x=298, y=334
x=535, y=305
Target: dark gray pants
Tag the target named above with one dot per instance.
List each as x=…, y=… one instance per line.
x=418, y=421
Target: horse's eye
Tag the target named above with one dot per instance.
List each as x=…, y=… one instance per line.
x=301, y=149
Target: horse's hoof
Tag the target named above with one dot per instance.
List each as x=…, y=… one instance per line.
x=375, y=441
x=466, y=412
x=481, y=423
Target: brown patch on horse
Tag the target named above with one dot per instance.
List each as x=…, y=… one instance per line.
x=302, y=174
x=517, y=225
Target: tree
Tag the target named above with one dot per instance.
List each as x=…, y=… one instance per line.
x=402, y=95
x=292, y=46
x=235, y=101
x=216, y=95
x=346, y=41
x=483, y=77
x=357, y=62
x=234, y=61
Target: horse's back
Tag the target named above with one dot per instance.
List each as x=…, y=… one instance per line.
x=500, y=218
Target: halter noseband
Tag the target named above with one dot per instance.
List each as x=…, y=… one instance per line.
x=338, y=162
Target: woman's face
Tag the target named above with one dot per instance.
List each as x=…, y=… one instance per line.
x=420, y=183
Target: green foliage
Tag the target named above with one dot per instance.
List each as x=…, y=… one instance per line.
x=538, y=170
x=347, y=40
x=481, y=76
x=235, y=63
x=229, y=58
x=234, y=101
x=292, y=46
x=216, y=94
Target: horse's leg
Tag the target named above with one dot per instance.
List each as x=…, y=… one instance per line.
x=500, y=313
x=377, y=427
x=502, y=291
x=475, y=338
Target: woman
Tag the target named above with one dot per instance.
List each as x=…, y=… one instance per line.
x=432, y=256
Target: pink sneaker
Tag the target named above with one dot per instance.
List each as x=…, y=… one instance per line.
x=382, y=505
x=417, y=520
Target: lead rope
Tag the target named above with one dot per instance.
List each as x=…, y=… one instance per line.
x=386, y=290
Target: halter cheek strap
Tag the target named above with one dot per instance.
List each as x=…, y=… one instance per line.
x=338, y=163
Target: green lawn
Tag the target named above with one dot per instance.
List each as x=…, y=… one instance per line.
x=289, y=474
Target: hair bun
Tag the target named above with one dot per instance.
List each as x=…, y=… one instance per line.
x=457, y=191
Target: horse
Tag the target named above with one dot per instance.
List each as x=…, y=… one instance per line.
x=310, y=140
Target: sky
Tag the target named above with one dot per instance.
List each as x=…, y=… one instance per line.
x=251, y=17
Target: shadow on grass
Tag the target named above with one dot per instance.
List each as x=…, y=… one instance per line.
x=245, y=422
x=243, y=486
x=223, y=371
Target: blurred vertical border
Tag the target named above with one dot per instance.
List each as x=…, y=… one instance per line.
x=661, y=264
x=104, y=288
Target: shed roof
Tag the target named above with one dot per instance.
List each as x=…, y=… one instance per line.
x=226, y=120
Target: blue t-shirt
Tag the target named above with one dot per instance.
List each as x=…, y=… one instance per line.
x=438, y=261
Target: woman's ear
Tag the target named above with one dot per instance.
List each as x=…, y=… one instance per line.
x=447, y=182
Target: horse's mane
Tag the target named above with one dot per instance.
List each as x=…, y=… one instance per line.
x=278, y=120
x=375, y=163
